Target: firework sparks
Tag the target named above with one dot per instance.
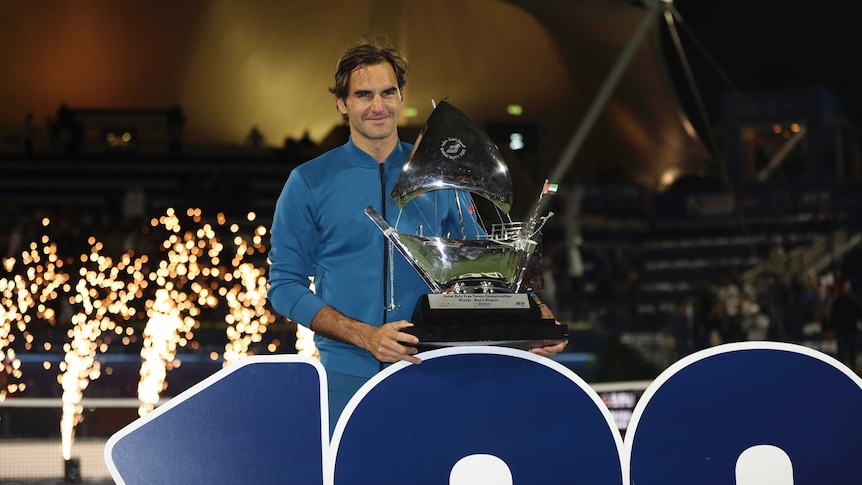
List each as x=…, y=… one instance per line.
x=100, y=295
x=194, y=278
x=25, y=297
x=189, y=277
x=160, y=348
x=171, y=315
x=248, y=318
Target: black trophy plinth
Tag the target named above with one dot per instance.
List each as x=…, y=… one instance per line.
x=505, y=319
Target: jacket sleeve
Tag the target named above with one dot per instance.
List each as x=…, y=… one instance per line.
x=294, y=242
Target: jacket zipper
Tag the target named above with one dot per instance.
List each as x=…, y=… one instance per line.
x=385, y=241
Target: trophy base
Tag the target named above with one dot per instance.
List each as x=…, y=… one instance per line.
x=503, y=319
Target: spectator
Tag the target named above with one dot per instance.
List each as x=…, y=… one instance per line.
x=846, y=315
x=176, y=122
x=575, y=273
x=810, y=304
x=255, y=137
x=134, y=206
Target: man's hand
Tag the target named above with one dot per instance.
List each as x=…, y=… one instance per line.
x=552, y=349
x=549, y=350
x=389, y=344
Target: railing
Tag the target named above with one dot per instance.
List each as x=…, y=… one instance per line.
x=39, y=460
x=823, y=251
x=36, y=455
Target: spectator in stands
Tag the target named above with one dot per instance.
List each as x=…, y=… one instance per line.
x=776, y=262
x=569, y=264
x=830, y=292
x=134, y=206
x=682, y=326
x=776, y=301
x=625, y=273
x=255, y=137
x=551, y=290
x=846, y=317
x=555, y=257
x=604, y=276
x=67, y=133
x=706, y=311
x=575, y=274
x=810, y=305
x=730, y=297
x=755, y=324
x=176, y=122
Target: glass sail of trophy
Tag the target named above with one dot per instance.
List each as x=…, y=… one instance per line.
x=478, y=286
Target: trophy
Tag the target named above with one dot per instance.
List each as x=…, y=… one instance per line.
x=478, y=287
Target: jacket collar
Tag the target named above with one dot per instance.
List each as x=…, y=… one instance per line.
x=362, y=159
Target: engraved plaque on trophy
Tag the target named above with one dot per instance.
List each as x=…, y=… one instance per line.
x=478, y=286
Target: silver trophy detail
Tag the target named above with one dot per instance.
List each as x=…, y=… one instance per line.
x=477, y=285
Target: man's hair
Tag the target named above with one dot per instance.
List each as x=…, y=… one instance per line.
x=372, y=48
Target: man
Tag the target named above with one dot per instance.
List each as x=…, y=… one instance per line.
x=364, y=292
x=846, y=314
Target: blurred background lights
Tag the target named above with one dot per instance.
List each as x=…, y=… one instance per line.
x=516, y=141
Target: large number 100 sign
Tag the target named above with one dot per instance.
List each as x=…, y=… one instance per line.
x=737, y=414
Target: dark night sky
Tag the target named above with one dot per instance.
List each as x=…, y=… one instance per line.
x=769, y=43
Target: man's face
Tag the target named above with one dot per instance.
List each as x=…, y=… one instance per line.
x=373, y=103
